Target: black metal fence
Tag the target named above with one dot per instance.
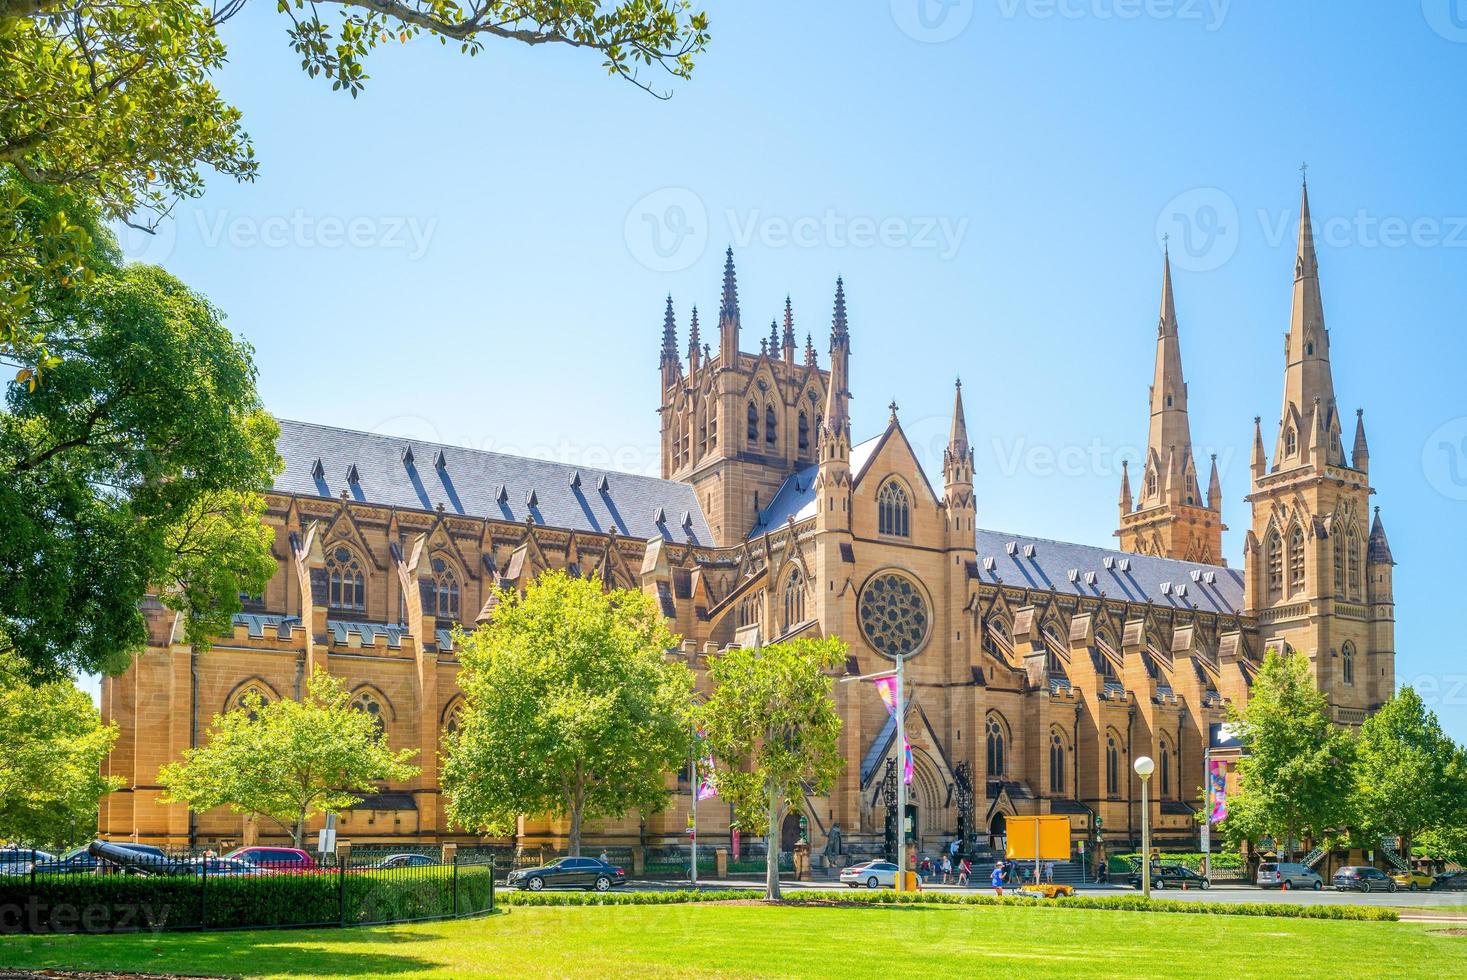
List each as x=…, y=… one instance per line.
x=209, y=892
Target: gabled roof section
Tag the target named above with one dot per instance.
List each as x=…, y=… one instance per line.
x=475, y=483
x=1039, y=563
x=796, y=495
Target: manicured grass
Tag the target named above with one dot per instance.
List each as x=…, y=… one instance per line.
x=757, y=940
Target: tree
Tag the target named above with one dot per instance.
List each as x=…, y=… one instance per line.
x=51, y=768
x=1295, y=778
x=288, y=760
x=774, y=732
x=1409, y=776
x=115, y=99
x=571, y=708
x=137, y=466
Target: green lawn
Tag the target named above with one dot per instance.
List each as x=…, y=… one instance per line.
x=757, y=940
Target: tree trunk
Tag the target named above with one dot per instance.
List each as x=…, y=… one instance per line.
x=575, y=827
x=771, y=855
x=299, y=830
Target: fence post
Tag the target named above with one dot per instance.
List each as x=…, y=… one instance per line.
x=455, y=883
x=341, y=860
x=492, y=869
x=203, y=899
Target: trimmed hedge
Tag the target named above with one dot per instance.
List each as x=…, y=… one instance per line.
x=127, y=903
x=1222, y=861
x=1112, y=903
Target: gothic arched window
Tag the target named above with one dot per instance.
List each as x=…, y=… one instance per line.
x=753, y=433
x=346, y=583
x=1165, y=768
x=1339, y=550
x=996, y=738
x=804, y=432
x=893, y=514
x=1150, y=482
x=1347, y=663
x=367, y=702
x=1275, y=550
x=769, y=425
x=445, y=590
x=1112, y=766
x=1056, y=763
x=250, y=700
x=794, y=599
x=1352, y=556
x=1291, y=441
x=454, y=722
x=1296, y=559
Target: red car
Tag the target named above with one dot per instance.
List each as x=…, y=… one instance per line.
x=274, y=858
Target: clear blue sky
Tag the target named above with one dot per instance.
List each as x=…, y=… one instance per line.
x=466, y=252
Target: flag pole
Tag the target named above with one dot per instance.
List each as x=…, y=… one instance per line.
x=696, y=787
x=901, y=746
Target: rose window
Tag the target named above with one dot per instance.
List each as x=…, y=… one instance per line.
x=893, y=615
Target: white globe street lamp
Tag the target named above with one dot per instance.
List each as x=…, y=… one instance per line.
x=1144, y=767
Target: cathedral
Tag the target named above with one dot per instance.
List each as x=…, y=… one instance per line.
x=1037, y=670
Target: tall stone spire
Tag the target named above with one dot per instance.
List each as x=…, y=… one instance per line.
x=837, y=399
x=809, y=350
x=728, y=315
x=1360, y=455
x=1170, y=434
x=1307, y=376
x=1214, y=488
x=957, y=442
x=789, y=332
x=1125, y=502
x=695, y=346
x=1260, y=460
x=1170, y=518
x=957, y=476
x=671, y=366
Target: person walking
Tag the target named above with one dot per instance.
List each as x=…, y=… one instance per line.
x=997, y=878
x=964, y=869
x=947, y=869
x=1049, y=872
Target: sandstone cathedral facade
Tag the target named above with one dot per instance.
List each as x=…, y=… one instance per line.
x=1037, y=670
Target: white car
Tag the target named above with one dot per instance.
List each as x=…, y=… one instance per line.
x=872, y=874
x=18, y=860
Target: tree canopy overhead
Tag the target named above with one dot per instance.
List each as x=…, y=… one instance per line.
x=571, y=708
x=115, y=100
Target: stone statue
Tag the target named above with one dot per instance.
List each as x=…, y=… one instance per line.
x=833, y=843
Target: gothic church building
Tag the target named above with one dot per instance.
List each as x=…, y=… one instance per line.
x=1037, y=670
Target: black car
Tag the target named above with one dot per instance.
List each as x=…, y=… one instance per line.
x=81, y=861
x=1363, y=879
x=569, y=872
x=1171, y=876
x=405, y=861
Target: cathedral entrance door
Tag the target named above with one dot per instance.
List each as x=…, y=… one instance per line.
x=998, y=833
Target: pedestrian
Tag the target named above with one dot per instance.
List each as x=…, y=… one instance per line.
x=604, y=858
x=1049, y=872
x=952, y=849
x=997, y=878
x=964, y=869
x=947, y=869
x=925, y=869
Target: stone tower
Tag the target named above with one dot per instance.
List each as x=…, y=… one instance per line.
x=1317, y=572
x=736, y=424
x=1170, y=517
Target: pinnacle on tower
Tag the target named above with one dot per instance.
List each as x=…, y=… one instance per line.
x=728, y=314
x=695, y=347
x=1307, y=376
x=1360, y=455
x=1125, y=501
x=838, y=320
x=809, y=350
x=1378, y=549
x=1214, y=487
x=1260, y=461
x=773, y=337
x=957, y=442
x=789, y=332
x=957, y=459
x=837, y=414
x=1170, y=432
x=671, y=367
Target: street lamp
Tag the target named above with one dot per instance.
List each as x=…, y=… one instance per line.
x=1144, y=768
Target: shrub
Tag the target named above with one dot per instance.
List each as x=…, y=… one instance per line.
x=1222, y=861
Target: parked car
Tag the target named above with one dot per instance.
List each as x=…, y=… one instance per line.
x=568, y=872
x=1171, y=876
x=79, y=860
x=1287, y=874
x=872, y=874
x=216, y=866
x=1363, y=879
x=405, y=861
x=1413, y=880
x=274, y=858
x=18, y=860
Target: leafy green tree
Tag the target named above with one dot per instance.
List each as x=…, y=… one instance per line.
x=115, y=99
x=137, y=466
x=1443, y=843
x=288, y=760
x=54, y=744
x=1409, y=776
x=1296, y=778
x=572, y=708
x=774, y=733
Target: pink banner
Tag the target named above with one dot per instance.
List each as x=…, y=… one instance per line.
x=706, y=787
x=886, y=689
x=1217, y=791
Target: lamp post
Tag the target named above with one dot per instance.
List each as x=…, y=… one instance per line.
x=1144, y=768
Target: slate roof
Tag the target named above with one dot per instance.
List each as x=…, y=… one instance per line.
x=1135, y=578
x=475, y=483
x=796, y=495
